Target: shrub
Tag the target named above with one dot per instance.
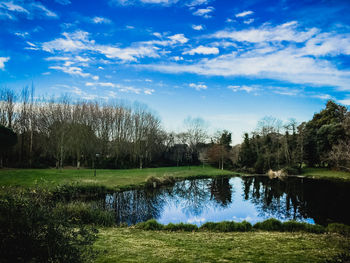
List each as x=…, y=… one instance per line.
x=227, y=226
x=30, y=232
x=180, y=227
x=294, y=226
x=271, y=224
x=85, y=213
x=339, y=228
x=151, y=224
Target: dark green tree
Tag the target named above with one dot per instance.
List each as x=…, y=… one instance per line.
x=7, y=139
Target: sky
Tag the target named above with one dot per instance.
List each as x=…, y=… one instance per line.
x=230, y=62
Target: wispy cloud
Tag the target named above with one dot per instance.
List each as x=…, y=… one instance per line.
x=28, y=9
x=79, y=41
x=101, y=20
x=345, y=101
x=267, y=33
x=245, y=88
x=121, y=88
x=3, y=60
x=244, y=13
x=202, y=50
x=197, y=27
x=137, y=2
x=199, y=86
x=63, y=2
x=204, y=12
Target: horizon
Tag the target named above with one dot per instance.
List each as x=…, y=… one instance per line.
x=230, y=64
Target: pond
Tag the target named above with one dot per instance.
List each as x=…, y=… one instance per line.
x=252, y=199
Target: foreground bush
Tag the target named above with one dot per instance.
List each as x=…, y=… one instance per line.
x=30, y=232
x=84, y=213
x=271, y=224
x=339, y=228
x=227, y=226
x=244, y=226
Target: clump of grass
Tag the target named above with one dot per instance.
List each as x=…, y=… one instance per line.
x=270, y=224
x=339, y=229
x=85, y=213
x=227, y=226
x=181, y=227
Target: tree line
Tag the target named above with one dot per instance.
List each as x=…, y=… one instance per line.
x=324, y=141
x=59, y=132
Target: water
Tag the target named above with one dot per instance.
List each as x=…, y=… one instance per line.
x=253, y=199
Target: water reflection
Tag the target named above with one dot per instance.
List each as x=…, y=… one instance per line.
x=253, y=199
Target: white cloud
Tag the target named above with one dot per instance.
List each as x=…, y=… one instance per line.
x=101, y=20
x=199, y=86
x=22, y=34
x=245, y=13
x=63, y=2
x=344, y=101
x=3, y=60
x=149, y=91
x=43, y=9
x=79, y=41
x=28, y=9
x=177, y=58
x=102, y=84
x=328, y=44
x=203, y=50
x=267, y=33
x=322, y=96
x=245, y=88
x=249, y=21
x=286, y=91
x=204, y=12
x=10, y=6
x=137, y=2
x=197, y=27
x=72, y=42
x=198, y=2
x=74, y=71
x=283, y=65
x=178, y=38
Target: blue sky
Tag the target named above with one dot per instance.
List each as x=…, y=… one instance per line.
x=228, y=62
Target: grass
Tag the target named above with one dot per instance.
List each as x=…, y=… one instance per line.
x=324, y=173
x=135, y=245
x=111, y=179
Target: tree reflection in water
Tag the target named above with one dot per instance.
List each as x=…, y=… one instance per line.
x=220, y=199
x=296, y=198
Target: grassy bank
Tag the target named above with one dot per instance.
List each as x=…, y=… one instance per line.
x=134, y=245
x=111, y=179
x=324, y=173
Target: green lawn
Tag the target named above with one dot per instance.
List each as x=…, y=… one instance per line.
x=133, y=245
x=49, y=178
x=324, y=173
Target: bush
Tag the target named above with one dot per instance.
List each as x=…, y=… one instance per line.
x=339, y=228
x=293, y=226
x=227, y=226
x=181, y=227
x=151, y=224
x=30, y=232
x=271, y=224
x=84, y=213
